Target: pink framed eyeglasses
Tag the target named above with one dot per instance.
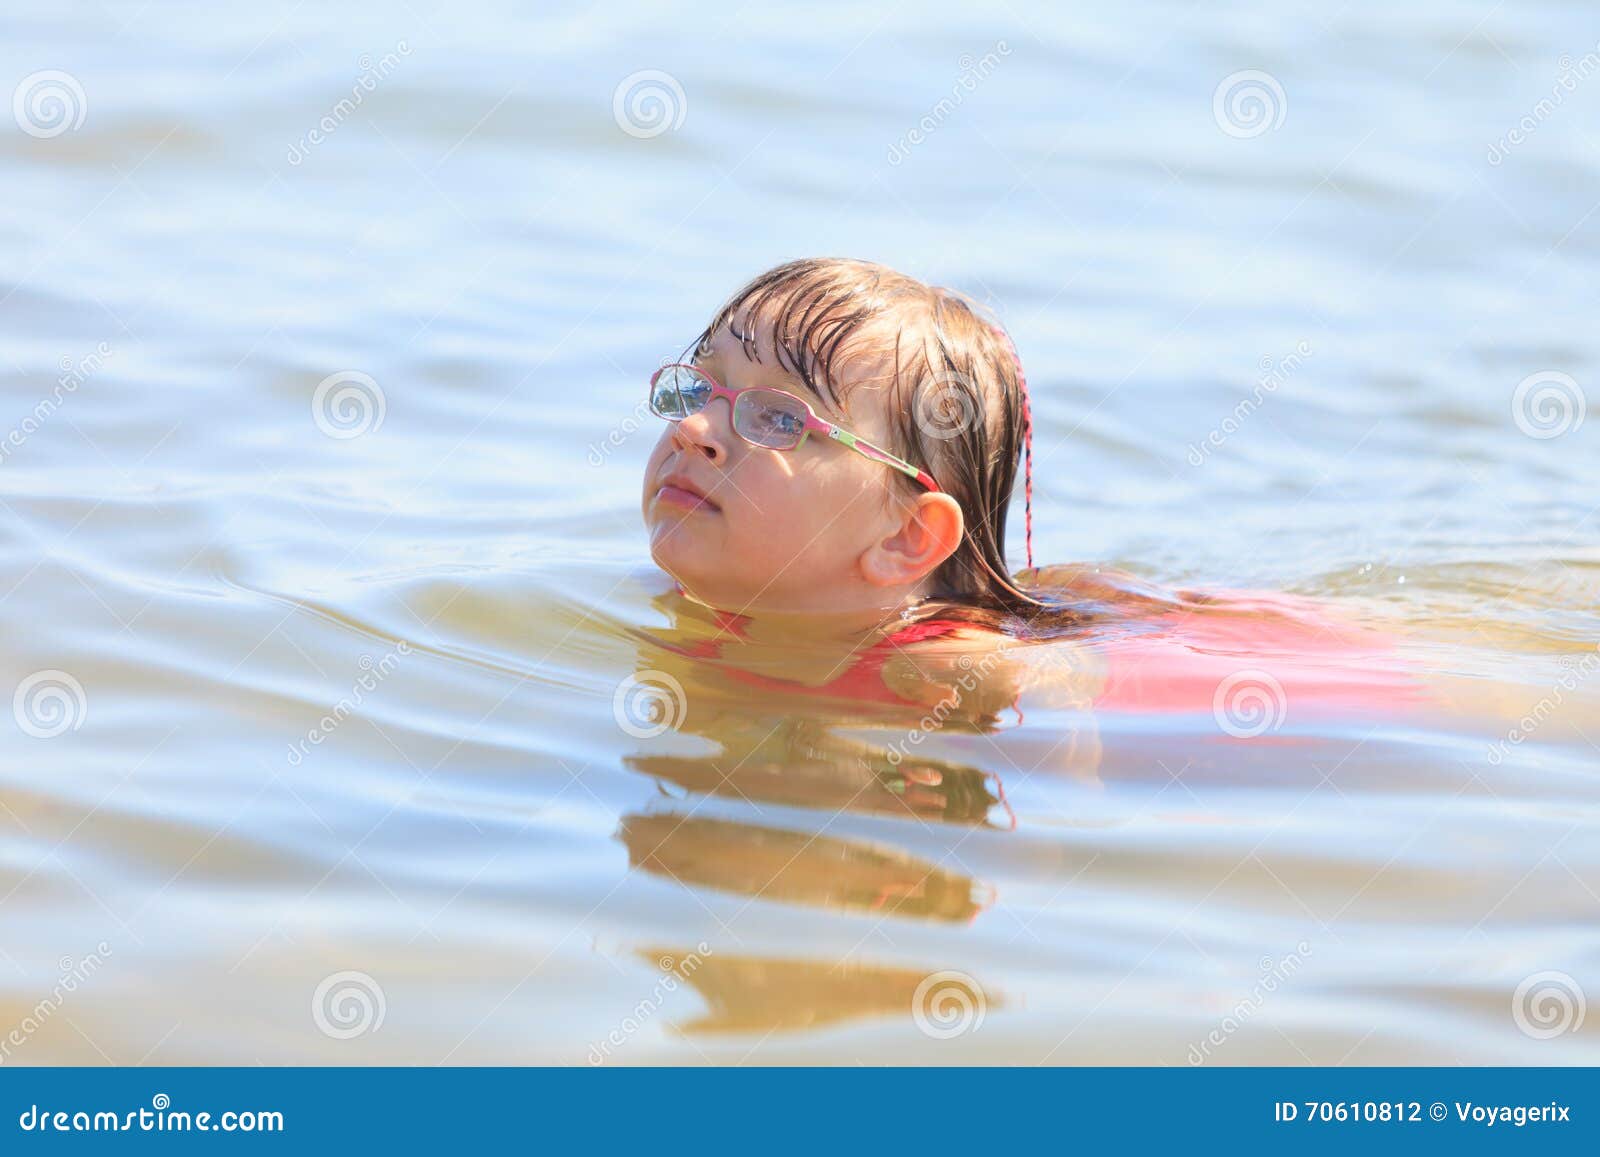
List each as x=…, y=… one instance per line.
x=764, y=417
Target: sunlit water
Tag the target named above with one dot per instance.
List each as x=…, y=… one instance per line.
x=491, y=854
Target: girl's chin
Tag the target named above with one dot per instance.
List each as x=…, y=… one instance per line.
x=677, y=552
x=673, y=532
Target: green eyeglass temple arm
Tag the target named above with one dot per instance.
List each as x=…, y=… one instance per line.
x=862, y=446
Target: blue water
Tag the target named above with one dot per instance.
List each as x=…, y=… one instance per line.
x=478, y=862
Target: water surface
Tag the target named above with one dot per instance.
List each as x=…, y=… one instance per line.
x=1289, y=360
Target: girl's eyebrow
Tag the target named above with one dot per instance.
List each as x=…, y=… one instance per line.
x=710, y=360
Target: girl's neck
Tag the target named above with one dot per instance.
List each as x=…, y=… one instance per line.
x=846, y=625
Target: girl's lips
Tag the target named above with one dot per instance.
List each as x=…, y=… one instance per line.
x=687, y=499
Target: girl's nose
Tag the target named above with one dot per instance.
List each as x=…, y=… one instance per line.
x=703, y=434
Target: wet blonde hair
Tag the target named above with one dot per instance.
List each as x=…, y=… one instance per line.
x=957, y=400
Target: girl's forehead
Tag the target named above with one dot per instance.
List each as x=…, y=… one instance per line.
x=861, y=368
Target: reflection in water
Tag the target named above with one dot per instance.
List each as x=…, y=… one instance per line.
x=800, y=759
x=747, y=994
x=803, y=763
x=778, y=742
x=782, y=736
x=179, y=536
x=792, y=867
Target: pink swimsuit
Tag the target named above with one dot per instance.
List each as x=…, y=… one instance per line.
x=1306, y=661
x=1179, y=661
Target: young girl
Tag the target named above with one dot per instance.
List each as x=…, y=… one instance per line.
x=843, y=443
x=834, y=479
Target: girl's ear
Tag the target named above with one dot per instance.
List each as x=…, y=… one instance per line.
x=929, y=533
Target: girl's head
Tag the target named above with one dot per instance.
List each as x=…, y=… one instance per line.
x=913, y=370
